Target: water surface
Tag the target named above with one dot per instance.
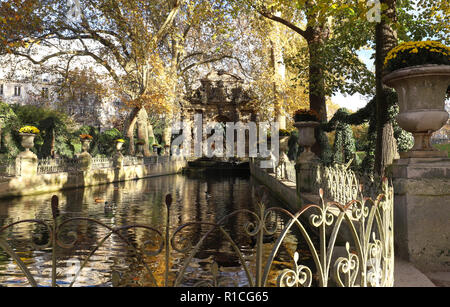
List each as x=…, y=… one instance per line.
x=206, y=199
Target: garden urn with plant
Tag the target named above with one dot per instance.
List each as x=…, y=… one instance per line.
x=28, y=133
x=306, y=121
x=420, y=74
x=26, y=161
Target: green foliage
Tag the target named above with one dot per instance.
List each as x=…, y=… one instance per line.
x=107, y=140
x=344, y=142
x=284, y=132
x=443, y=147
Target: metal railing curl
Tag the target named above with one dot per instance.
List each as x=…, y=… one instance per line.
x=366, y=259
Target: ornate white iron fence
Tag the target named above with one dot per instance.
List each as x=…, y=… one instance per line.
x=341, y=184
x=102, y=162
x=368, y=259
x=49, y=165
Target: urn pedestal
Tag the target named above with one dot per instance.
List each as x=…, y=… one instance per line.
x=118, y=156
x=85, y=157
x=306, y=139
x=421, y=96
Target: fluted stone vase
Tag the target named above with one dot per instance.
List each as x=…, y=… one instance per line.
x=306, y=139
x=421, y=96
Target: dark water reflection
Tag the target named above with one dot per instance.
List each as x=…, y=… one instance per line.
x=206, y=199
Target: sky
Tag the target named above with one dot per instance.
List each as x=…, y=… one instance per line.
x=356, y=101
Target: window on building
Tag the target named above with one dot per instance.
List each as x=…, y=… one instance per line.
x=17, y=90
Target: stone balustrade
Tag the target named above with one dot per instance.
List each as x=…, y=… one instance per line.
x=34, y=176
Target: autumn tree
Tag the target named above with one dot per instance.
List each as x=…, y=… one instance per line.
x=325, y=26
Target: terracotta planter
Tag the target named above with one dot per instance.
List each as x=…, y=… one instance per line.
x=27, y=140
x=306, y=139
x=421, y=96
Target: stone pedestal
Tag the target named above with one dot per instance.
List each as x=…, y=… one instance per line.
x=118, y=160
x=26, y=164
x=422, y=212
x=305, y=178
x=85, y=161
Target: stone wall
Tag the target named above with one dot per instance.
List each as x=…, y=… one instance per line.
x=283, y=189
x=45, y=183
x=422, y=212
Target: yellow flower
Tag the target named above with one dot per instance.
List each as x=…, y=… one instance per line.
x=29, y=129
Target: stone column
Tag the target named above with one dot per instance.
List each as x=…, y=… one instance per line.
x=85, y=157
x=422, y=212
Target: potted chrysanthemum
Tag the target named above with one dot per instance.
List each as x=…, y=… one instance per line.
x=28, y=133
x=420, y=74
x=306, y=121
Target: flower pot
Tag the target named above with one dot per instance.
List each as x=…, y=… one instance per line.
x=306, y=139
x=421, y=96
x=27, y=140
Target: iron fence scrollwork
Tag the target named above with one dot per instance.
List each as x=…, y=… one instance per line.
x=367, y=261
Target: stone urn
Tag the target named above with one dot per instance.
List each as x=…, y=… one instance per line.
x=27, y=161
x=421, y=96
x=118, y=156
x=27, y=140
x=85, y=157
x=306, y=139
x=140, y=150
x=85, y=144
x=119, y=146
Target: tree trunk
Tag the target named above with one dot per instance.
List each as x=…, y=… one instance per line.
x=129, y=126
x=142, y=130
x=279, y=73
x=386, y=39
x=315, y=37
